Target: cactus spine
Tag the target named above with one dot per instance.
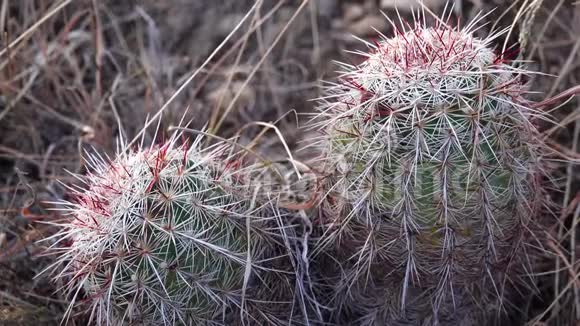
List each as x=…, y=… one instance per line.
x=434, y=167
x=167, y=235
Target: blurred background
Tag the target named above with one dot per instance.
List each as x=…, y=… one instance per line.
x=75, y=74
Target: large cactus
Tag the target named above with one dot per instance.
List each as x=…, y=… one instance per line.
x=168, y=235
x=434, y=168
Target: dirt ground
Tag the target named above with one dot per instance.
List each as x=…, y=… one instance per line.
x=73, y=74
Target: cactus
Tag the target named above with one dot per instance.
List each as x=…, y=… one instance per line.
x=169, y=235
x=434, y=166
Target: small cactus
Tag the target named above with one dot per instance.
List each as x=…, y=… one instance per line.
x=434, y=166
x=167, y=235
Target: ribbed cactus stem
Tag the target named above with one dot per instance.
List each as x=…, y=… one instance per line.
x=164, y=236
x=434, y=164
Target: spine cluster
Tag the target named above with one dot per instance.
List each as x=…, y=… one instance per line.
x=168, y=235
x=434, y=168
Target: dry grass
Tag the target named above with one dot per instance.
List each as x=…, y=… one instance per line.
x=75, y=74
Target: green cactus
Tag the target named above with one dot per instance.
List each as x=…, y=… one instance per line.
x=169, y=235
x=434, y=166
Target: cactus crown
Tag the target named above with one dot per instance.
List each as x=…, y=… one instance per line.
x=434, y=162
x=161, y=236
